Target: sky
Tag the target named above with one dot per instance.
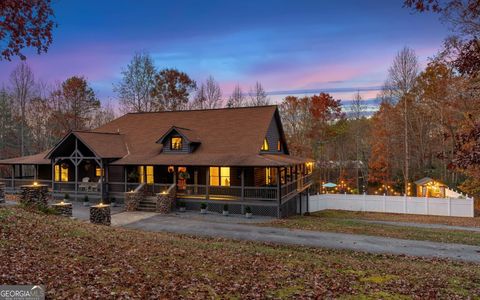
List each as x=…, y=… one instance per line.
x=292, y=47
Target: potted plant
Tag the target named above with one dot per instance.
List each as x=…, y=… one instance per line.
x=66, y=197
x=225, y=210
x=203, y=208
x=182, y=206
x=113, y=202
x=248, y=212
x=86, y=202
x=133, y=176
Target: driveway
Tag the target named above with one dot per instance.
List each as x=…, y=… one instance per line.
x=228, y=227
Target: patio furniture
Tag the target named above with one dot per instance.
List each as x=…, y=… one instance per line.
x=94, y=187
x=84, y=186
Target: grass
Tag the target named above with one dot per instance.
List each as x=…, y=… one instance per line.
x=74, y=259
x=354, y=223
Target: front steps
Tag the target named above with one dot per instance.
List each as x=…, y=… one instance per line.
x=148, y=204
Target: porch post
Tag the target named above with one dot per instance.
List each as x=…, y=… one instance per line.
x=76, y=168
x=35, y=175
x=207, y=181
x=308, y=204
x=13, y=177
x=53, y=175
x=195, y=181
x=125, y=177
x=279, y=194
x=101, y=180
x=242, y=179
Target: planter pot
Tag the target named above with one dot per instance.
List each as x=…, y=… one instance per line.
x=182, y=209
x=113, y=204
x=225, y=213
x=203, y=211
x=86, y=203
x=248, y=215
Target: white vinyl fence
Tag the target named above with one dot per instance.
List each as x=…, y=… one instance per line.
x=394, y=204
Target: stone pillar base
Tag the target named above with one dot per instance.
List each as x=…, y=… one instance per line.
x=165, y=202
x=132, y=200
x=2, y=192
x=100, y=214
x=63, y=209
x=34, y=195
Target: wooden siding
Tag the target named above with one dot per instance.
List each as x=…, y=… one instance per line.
x=273, y=136
x=167, y=144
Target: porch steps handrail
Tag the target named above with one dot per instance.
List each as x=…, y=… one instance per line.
x=139, y=187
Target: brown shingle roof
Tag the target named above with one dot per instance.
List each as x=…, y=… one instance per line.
x=37, y=159
x=229, y=137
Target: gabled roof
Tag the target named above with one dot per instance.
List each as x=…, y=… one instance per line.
x=185, y=132
x=426, y=180
x=229, y=137
x=37, y=159
x=102, y=144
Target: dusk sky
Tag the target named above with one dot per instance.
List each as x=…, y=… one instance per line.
x=286, y=45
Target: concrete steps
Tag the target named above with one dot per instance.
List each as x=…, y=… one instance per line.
x=148, y=204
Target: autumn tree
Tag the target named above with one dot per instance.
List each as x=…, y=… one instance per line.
x=357, y=110
x=258, y=96
x=237, y=98
x=134, y=91
x=25, y=23
x=73, y=104
x=401, y=79
x=208, y=96
x=22, y=83
x=172, y=90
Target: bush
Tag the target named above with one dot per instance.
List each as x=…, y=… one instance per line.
x=66, y=197
x=85, y=199
x=225, y=207
x=248, y=210
x=182, y=204
x=112, y=200
x=203, y=205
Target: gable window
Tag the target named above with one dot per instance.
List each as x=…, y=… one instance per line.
x=220, y=176
x=265, y=145
x=61, y=173
x=279, y=146
x=176, y=143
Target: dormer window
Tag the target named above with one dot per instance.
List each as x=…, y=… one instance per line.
x=176, y=143
x=265, y=145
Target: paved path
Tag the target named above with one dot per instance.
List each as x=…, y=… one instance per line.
x=420, y=225
x=372, y=244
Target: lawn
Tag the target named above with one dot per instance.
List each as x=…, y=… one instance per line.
x=353, y=222
x=80, y=260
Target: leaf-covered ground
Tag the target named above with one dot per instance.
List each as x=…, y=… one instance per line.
x=354, y=223
x=79, y=260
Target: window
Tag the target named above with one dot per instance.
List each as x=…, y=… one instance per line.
x=270, y=176
x=265, y=145
x=279, y=146
x=220, y=176
x=61, y=173
x=145, y=174
x=99, y=172
x=176, y=143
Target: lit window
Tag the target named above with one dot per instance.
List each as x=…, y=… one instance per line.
x=176, y=143
x=220, y=176
x=99, y=172
x=270, y=176
x=279, y=146
x=309, y=167
x=61, y=173
x=145, y=174
x=265, y=145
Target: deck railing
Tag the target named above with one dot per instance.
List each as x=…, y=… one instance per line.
x=197, y=191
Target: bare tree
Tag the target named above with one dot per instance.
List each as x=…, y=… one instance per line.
x=23, y=89
x=237, y=99
x=208, y=96
x=135, y=89
x=172, y=90
x=357, y=110
x=401, y=79
x=258, y=96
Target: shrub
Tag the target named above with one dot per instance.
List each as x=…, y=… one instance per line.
x=85, y=199
x=225, y=207
x=248, y=210
x=203, y=205
x=66, y=197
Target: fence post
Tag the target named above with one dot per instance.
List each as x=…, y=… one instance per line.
x=449, y=206
x=473, y=206
x=405, y=203
x=364, y=204
x=384, y=202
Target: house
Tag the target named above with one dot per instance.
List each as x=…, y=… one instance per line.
x=233, y=156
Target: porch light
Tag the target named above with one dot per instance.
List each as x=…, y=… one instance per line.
x=35, y=183
x=164, y=192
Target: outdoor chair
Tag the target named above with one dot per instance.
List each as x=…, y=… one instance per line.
x=84, y=186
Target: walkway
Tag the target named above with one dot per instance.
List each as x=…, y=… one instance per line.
x=234, y=230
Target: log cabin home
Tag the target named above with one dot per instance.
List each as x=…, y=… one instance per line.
x=235, y=156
